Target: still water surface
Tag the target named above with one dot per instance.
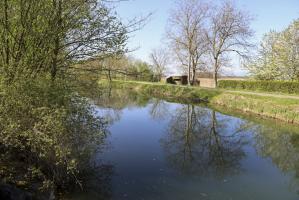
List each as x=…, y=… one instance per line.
x=161, y=150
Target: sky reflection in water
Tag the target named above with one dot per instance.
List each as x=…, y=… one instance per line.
x=162, y=150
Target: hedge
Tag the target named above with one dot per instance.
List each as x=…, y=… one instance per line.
x=287, y=87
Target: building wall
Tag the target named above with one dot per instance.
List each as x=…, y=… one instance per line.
x=209, y=82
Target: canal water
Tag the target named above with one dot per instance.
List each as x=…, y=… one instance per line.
x=161, y=150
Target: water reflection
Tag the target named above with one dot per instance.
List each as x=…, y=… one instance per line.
x=188, y=147
x=198, y=141
x=156, y=150
x=159, y=110
x=282, y=147
x=97, y=184
x=118, y=99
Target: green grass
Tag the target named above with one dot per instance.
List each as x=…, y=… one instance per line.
x=277, y=108
x=274, y=86
x=272, y=107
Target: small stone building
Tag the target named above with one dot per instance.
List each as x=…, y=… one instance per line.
x=177, y=80
x=202, y=79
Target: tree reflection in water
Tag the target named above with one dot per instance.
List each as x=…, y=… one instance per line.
x=199, y=141
x=281, y=145
x=159, y=110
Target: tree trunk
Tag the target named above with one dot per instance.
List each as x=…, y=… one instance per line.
x=109, y=76
x=193, y=75
x=58, y=25
x=55, y=59
x=215, y=75
x=189, y=76
x=189, y=71
x=7, y=51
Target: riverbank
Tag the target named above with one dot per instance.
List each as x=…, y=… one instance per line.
x=284, y=109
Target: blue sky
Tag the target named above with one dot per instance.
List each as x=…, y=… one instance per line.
x=268, y=14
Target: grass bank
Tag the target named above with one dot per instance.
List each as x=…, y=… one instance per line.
x=283, y=109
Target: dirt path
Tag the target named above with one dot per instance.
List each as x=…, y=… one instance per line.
x=265, y=94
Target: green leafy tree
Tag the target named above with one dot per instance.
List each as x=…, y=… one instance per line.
x=45, y=36
x=278, y=55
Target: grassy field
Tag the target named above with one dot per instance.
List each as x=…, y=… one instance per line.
x=284, y=109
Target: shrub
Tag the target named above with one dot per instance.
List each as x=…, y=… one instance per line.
x=287, y=87
x=49, y=132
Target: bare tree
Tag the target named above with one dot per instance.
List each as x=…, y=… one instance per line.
x=228, y=32
x=185, y=33
x=159, y=59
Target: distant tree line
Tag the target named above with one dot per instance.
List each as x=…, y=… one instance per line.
x=117, y=67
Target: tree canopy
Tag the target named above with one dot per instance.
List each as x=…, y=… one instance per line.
x=46, y=36
x=278, y=55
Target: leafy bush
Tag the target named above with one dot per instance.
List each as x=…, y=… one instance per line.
x=287, y=87
x=48, y=132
